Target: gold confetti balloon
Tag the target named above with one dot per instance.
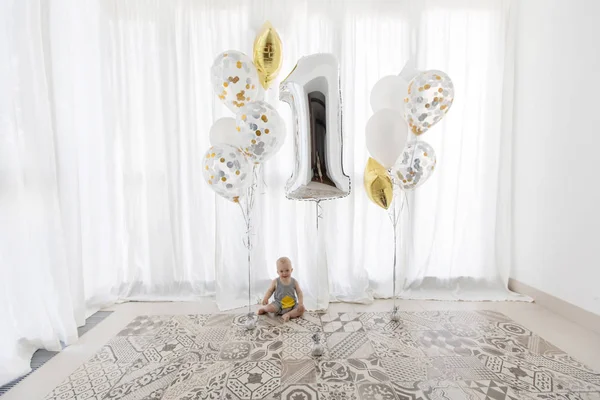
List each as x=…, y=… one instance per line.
x=227, y=171
x=430, y=96
x=267, y=54
x=378, y=184
x=234, y=79
x=262, y=130
x=415, y=165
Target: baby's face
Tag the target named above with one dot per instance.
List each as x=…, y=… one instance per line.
x=284, y=270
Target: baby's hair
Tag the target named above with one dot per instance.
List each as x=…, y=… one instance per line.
x=283, y=260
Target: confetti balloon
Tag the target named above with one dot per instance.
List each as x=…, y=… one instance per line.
x=415, y=165
x=262, y=130
x=430, y=96
x=227, y=170
x=235, y=79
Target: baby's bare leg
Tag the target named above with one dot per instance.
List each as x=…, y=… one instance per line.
x=269, y=308
x=295, y=313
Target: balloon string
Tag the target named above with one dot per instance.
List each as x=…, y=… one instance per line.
x=319, y=215
x=394, y=215
x=394, y=225
x=264, y=184
x=319, y=210
x=246, y=210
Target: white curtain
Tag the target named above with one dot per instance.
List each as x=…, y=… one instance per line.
x=457, y=226
x=36, y=296
x=105, y=108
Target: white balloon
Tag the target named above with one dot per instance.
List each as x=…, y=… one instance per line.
x=223, y=132
x=389, y=92
x=386, y=135
x=409, y=71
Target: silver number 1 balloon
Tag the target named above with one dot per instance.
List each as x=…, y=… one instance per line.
x=313, y=91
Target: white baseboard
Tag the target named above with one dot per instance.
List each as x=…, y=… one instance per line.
x=570, y=311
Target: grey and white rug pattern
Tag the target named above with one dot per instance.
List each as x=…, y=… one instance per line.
x=427, y=355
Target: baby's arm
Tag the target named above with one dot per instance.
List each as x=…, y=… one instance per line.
x=300, y=294
x=269, y=293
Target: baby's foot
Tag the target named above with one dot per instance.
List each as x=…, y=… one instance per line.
x=285, y=317
x=261, y=311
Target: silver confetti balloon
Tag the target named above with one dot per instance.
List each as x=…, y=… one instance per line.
x=430, y=96
x=415, y=165
x=313, y=92
x=227, y=170
x=262, y=130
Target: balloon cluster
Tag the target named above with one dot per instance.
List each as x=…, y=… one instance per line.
x=257, y=132
x=406, y=104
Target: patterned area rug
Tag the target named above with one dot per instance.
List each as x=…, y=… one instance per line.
x=428, y=355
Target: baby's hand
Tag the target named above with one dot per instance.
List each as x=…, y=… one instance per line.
x=265, y=302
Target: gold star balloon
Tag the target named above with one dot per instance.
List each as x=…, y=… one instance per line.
x=267, y=54
x=378, y=184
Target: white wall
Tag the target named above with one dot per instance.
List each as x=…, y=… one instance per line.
x=556, y=203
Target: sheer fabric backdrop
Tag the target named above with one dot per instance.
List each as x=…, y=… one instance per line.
x=105, y=108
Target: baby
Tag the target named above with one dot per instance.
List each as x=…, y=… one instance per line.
x=285, y=288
